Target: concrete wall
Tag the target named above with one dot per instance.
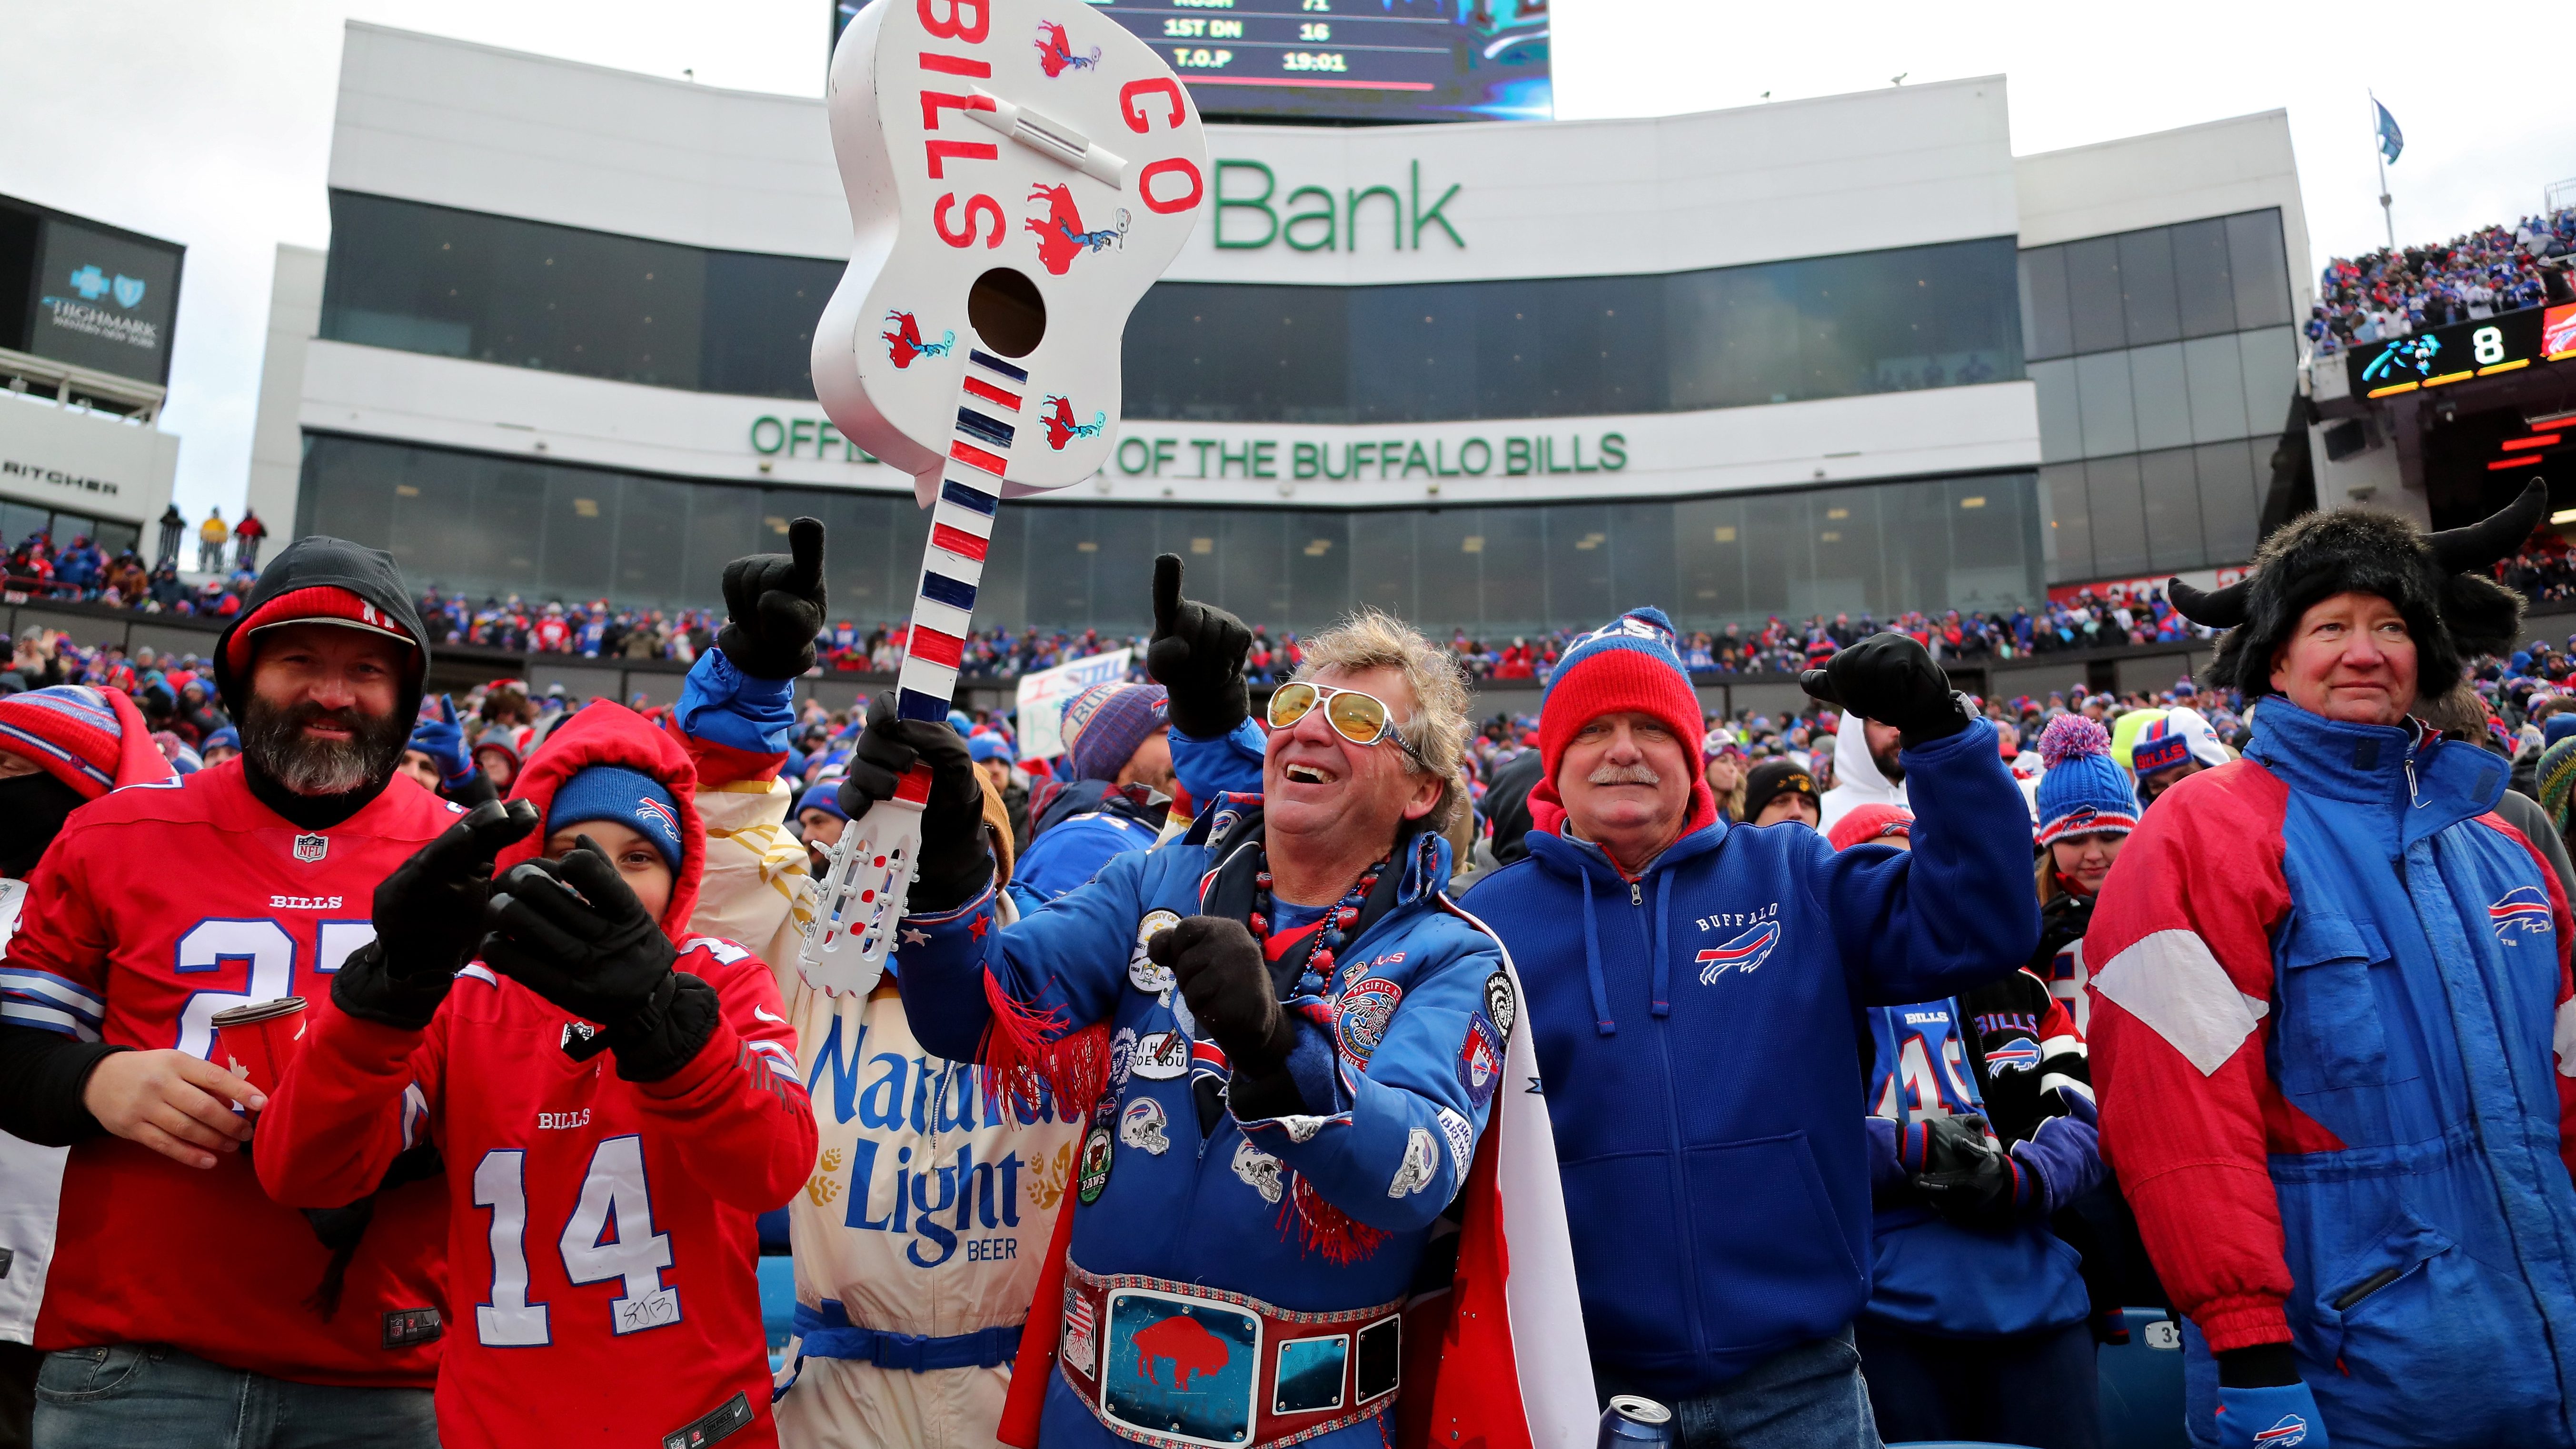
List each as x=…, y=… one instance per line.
x=277, y=439
x=85, y=462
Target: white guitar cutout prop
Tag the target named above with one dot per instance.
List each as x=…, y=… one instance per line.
x=1019, y=173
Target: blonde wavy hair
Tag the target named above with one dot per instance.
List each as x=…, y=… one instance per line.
x=1437, y=731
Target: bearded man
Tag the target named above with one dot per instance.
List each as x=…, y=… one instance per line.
x=183, y=1306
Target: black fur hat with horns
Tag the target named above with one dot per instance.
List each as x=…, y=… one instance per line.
x=2438, y=581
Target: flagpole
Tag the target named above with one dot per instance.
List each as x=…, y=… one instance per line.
x=2379, y=148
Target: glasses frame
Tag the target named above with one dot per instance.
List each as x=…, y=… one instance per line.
x=1387, y=727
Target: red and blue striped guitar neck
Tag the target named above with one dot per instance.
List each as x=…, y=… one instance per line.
x=961, y=532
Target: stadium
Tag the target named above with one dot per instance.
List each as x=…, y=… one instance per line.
x=1570, y=656
x=1846, y=355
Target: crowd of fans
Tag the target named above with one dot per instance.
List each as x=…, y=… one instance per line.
x=601, y=630
x=2384, y=295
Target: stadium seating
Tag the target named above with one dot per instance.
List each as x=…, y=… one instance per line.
x=778, y=1306
x=2141, y=1384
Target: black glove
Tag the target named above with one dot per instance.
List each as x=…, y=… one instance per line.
x=2065, y=918
x=1197, y=654
x=774, y=606
x=1891, y=679
x=598, y=955
x=955, y=862
x=1223, y=976
x=429, y=917
x=1965, y=1177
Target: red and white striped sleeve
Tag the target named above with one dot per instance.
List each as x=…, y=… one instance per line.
x=2181, y=1007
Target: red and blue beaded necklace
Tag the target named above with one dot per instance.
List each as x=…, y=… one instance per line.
x=1325, y=941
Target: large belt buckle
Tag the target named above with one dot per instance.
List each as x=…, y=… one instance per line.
x=1183, y=1370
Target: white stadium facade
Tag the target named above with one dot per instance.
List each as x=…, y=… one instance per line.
x=1841, y=354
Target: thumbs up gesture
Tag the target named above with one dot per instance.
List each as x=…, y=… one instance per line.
x=1197, y=654
x=774, y=604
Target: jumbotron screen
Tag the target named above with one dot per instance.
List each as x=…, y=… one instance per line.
x=1343, y=60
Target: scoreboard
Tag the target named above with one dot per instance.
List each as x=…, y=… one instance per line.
x=1344, y=61
x=2480, y=347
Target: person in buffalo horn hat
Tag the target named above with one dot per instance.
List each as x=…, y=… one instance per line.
x=2328, y=1028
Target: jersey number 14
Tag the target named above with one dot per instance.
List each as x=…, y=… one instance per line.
x=613, y=1192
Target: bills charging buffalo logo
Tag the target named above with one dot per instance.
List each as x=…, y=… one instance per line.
x=2287, y=1434
x=2017, y=1055
x=1055, y=51
x=2524, y=911
x=1060, y=233
x=659, y=816
x=904, y=343
x=1062, y=429
x=1745, y=952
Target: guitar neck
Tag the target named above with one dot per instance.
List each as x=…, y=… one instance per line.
x=961, y=531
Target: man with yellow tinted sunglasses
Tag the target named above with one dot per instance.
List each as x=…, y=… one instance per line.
x=1302, y=1042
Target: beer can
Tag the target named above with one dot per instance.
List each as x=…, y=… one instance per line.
x=1633, y=1422
x=256, y=1042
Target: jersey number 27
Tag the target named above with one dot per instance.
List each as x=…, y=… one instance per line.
x=613, y=1190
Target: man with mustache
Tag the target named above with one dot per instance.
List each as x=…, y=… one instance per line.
x=183, y=1306
x=1695, y=989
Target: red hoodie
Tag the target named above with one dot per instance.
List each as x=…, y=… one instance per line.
x=601, y=1251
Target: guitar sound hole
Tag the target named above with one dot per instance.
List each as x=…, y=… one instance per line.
x=1006, y=311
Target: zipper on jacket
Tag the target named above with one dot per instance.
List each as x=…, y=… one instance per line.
x=2366, y=1287
x=1673, y=1132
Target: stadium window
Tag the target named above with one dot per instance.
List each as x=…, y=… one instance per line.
x=2093, y=294
x=2047, y=330
x=2067, y=523
x=2119, y=518
x=2257, y=266
x=2202, y=284
x=2169, y=496
x=2147, y=287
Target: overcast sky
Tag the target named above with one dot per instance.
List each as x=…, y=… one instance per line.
x=209, y=121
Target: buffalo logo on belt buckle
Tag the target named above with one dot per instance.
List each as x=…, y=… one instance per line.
x=1181, y=1369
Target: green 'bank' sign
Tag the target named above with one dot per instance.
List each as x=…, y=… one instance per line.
x=1251, y=213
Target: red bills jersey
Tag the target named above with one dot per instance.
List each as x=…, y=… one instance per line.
x=158, y=906
x=602, y=1253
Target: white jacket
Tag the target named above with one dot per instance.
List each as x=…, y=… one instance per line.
x=1857, y=781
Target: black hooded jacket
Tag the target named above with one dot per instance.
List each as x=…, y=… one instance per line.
x=317, y=561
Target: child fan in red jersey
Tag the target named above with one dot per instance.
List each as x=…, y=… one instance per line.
x=601, y=1239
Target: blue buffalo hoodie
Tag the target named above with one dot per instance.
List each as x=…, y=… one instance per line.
x=1699, y=1031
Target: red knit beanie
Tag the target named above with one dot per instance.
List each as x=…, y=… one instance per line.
x=1629, y=664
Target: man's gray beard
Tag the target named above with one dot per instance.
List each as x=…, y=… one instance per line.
x=273, y=739
x=1639, y=774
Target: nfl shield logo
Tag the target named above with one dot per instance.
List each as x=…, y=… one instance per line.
x=310, y=848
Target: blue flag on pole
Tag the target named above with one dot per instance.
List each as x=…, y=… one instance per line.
x=2391, y=140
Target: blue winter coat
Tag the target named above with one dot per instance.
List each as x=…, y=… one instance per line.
x=2342, y=903
x=1699, y=1030
x=1398, y=1088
